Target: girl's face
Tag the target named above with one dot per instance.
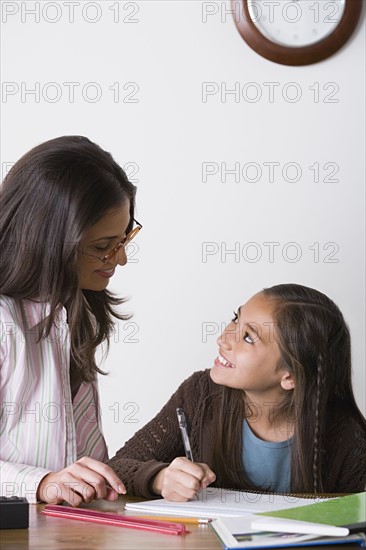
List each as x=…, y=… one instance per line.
x=97, y=241
x=249, y=353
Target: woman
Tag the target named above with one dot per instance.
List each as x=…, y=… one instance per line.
x=66, y=215
x=276, y=412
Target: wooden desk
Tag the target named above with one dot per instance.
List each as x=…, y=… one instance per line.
x=50, y=533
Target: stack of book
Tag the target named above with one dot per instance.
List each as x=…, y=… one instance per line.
x=256, y=520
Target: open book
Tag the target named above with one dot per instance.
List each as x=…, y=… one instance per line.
x=237, y=533
x=216, y=502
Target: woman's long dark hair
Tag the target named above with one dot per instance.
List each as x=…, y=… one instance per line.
x=315, y=348
x=50, y=197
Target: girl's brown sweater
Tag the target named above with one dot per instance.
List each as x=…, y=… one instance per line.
x=155, y=445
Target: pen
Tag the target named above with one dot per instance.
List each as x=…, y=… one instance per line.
x=183, y=428
x=182, y=421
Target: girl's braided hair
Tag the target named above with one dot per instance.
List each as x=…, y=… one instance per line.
x=315, y=348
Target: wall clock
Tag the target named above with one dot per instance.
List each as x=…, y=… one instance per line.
x=296, y=32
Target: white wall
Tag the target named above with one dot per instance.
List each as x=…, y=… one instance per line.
x=177, y=293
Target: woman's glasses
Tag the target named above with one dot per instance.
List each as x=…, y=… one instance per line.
x=124, y=242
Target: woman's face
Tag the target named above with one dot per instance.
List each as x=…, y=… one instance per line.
x=248, y=352
x=97, y=241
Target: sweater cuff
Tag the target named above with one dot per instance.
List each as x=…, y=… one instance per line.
x=144, y=478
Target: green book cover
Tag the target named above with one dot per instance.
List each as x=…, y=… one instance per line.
x=347, y=510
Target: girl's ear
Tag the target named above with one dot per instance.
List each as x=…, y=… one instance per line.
x=287, y=381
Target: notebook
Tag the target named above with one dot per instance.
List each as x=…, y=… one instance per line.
x=236, y=533
x=348, y=511
x=217, y=502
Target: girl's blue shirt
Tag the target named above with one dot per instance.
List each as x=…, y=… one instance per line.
x=267, y=464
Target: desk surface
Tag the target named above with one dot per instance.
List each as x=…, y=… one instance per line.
x=51, y=533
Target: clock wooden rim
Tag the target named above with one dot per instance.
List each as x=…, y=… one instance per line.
x=304, y=55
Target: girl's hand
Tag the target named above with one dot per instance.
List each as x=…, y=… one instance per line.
x=182, y=479
x=83, y=481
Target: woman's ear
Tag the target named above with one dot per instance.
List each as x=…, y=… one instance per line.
x=287, y=381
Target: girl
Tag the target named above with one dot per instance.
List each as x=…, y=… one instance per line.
x=66, y=215
x=276, y=412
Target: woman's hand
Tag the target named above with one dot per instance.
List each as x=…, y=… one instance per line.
x=182, y=479
x=83, y=481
